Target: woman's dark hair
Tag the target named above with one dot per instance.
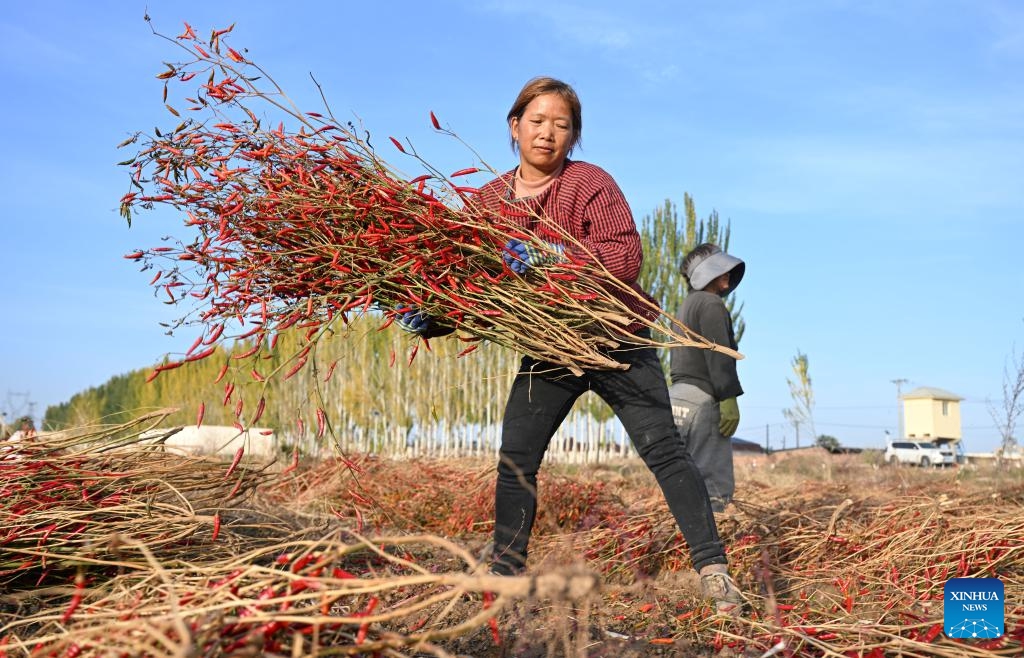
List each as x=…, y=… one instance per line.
x=544, y=85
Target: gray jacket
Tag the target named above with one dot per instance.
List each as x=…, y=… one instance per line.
x=712, y=372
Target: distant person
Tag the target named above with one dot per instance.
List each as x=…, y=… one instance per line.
x=26, y=430
x=705, y=384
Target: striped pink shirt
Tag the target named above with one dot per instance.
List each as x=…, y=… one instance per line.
x=585, y=202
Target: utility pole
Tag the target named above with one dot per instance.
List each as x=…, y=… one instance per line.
x=899, y=407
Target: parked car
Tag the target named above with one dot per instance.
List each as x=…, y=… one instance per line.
x=917, y=453
x=948, y=456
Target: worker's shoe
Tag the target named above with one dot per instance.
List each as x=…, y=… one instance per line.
x=718, y=586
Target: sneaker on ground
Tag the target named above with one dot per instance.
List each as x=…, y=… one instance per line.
x=721, y=588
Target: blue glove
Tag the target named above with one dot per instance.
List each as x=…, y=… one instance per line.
x=414, y=321
x=521, y=256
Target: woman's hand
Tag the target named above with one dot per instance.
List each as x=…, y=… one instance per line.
x=521, y=256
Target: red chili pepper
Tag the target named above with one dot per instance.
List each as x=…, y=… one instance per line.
x=360, y=637
x=216, y=527
x=229, y=388
x=220, y=375
x=397, y=144
x=200, y=414
x=248, y=353
x=492, y=622
x=321, y=422
x=234, y=462
x=294, y=463
x=214, y=334
x=202, y=355
x=433, y=120
x=260, y=406
x=295, y=368
x=76, y=598
x=467, y=350
x=464, y=172
x=471, y=287
x=238, y=485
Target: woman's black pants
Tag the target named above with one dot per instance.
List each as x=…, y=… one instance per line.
x=541, y=397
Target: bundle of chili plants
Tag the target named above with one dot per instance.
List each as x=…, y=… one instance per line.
x=69, y=497
x=302, y=226
x=330, y=596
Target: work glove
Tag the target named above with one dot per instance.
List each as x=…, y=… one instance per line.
x=729, y=410
x=521, y=256
x=414, y=321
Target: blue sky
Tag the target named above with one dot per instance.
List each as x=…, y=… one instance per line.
x=870, y=156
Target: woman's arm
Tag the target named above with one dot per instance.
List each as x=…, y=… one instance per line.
x=608, y=229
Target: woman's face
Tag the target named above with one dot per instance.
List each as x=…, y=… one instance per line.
x=543, y=135
x=719, y=285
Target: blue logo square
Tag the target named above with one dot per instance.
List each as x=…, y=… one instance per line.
x=974, y=608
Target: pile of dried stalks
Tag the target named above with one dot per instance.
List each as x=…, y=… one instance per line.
x=115, y=548
x=831, y=569
x=853, y=567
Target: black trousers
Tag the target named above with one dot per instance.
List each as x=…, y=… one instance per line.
x=541, y=397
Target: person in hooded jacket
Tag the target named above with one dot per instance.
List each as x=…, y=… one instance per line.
x=705, y=384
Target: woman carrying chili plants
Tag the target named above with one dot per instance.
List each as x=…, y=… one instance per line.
x=580, y=209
